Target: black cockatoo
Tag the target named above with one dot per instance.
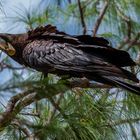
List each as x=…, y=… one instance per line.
x=50, y=51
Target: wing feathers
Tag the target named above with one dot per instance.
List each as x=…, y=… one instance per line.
x=79, y=56
x=97, y=46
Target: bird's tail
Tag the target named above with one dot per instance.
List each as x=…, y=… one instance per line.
x=120, y=83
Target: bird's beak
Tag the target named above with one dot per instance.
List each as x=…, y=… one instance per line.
x=8, y=48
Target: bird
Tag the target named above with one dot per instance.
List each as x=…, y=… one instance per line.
x=48, y=50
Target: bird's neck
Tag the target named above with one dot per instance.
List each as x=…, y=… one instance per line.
x=19, y=42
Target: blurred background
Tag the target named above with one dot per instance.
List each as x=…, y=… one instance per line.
x=73, y=114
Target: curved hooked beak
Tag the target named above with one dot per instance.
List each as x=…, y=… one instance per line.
x=7, y=47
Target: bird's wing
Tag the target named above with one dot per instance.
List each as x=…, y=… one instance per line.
x=96, y=46
x=42, y=54
x=51, y=32
x=116, y=57
x=89, y=40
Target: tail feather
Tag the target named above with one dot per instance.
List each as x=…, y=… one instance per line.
x=130, y=76
x=118, y=82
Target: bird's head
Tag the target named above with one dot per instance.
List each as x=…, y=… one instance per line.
x=6, y=44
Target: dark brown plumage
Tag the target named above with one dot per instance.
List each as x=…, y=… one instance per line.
x=50, y=51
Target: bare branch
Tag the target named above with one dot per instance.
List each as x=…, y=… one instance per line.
x=133, y=41
x=7, y=66
x=127, y=40
x=123, y=43
x=130, y=42
x=11, y=111
x=82, y=17
x=129, y=29
x=100, y=17
x=85, y=83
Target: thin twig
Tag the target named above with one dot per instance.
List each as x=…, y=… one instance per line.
x=30, y=114
x=82, y=17
x=7, y=66
x=123, y=121
x=133, y=41
x=123, y=43
x=130, y=42
x=129, y=29
x=85, y=83
x=128, y=39
x=100, y=17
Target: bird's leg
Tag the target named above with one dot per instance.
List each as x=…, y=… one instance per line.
x=44, y=75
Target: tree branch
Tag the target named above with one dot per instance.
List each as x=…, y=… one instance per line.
x=82, y=17
x=133, y=41
x=20, y=101
x=123, y=121
x=11, y=109
x=100, y=17
x=7, y=66
x=85, y=83
x=127, y=40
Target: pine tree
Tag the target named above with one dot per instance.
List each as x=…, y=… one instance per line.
x=33, y=106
